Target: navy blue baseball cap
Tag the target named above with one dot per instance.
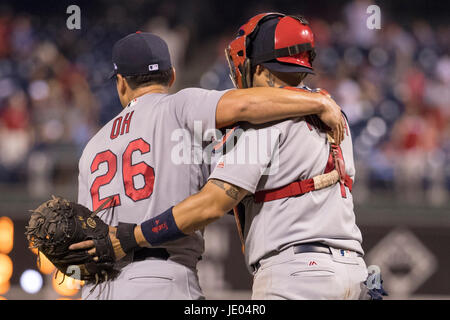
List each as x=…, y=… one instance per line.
x=270, y=35
x=140, y=53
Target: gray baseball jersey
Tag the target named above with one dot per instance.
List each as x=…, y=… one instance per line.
x=272, y=156
x=148, y=158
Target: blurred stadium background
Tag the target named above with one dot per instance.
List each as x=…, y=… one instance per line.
x=393, y=83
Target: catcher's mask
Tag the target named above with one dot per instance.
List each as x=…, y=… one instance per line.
x=285, y=45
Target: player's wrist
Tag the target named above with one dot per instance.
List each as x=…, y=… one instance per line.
x=125, y=235
x=323, y=103
x=140, y=239
x=161, y=229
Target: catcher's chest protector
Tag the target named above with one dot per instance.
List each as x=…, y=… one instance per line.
x=334, y=172
x=299, y=187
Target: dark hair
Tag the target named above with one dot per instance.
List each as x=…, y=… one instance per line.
x=285, y=76
x=159, y=77
x=292, y=81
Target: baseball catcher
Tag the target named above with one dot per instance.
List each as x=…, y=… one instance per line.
x=58, y=223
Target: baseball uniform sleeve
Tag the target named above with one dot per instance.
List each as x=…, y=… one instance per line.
x=197, y=107
x=255, y=155
x=83, y=192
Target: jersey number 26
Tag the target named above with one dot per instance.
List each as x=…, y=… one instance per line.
x=129, y=171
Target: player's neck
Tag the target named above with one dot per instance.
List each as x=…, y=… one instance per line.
x=149, y=89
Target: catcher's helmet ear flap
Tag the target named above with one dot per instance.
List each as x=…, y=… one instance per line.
x=292, y=31
x=293, y=45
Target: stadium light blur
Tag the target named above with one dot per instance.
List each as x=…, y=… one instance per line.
x=34, y=250
x=4, y=287
x=68, y=287
x=44, y=265
x=31, y=281
x=6, y=235
x=6, y=268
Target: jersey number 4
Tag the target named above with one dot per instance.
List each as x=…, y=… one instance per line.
x=129, y=171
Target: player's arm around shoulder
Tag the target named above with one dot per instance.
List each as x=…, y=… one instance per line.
x=214, y=200
x=265, y=104
x=194, y=213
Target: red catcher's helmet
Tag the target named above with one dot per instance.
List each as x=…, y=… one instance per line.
x=290, y=50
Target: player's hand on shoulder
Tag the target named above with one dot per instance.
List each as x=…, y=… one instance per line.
x=332, y=116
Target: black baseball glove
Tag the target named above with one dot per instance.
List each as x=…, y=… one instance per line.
x=58, y=223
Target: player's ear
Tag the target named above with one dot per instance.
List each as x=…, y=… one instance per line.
x=259, y=69
x=121, y=85
x=259, y=76
x=122, y=92
x=174, y=76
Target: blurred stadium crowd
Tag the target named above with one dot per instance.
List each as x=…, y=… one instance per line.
x=392, y=83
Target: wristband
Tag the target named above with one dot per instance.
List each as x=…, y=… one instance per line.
x=161, y=229
x=125, y=234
